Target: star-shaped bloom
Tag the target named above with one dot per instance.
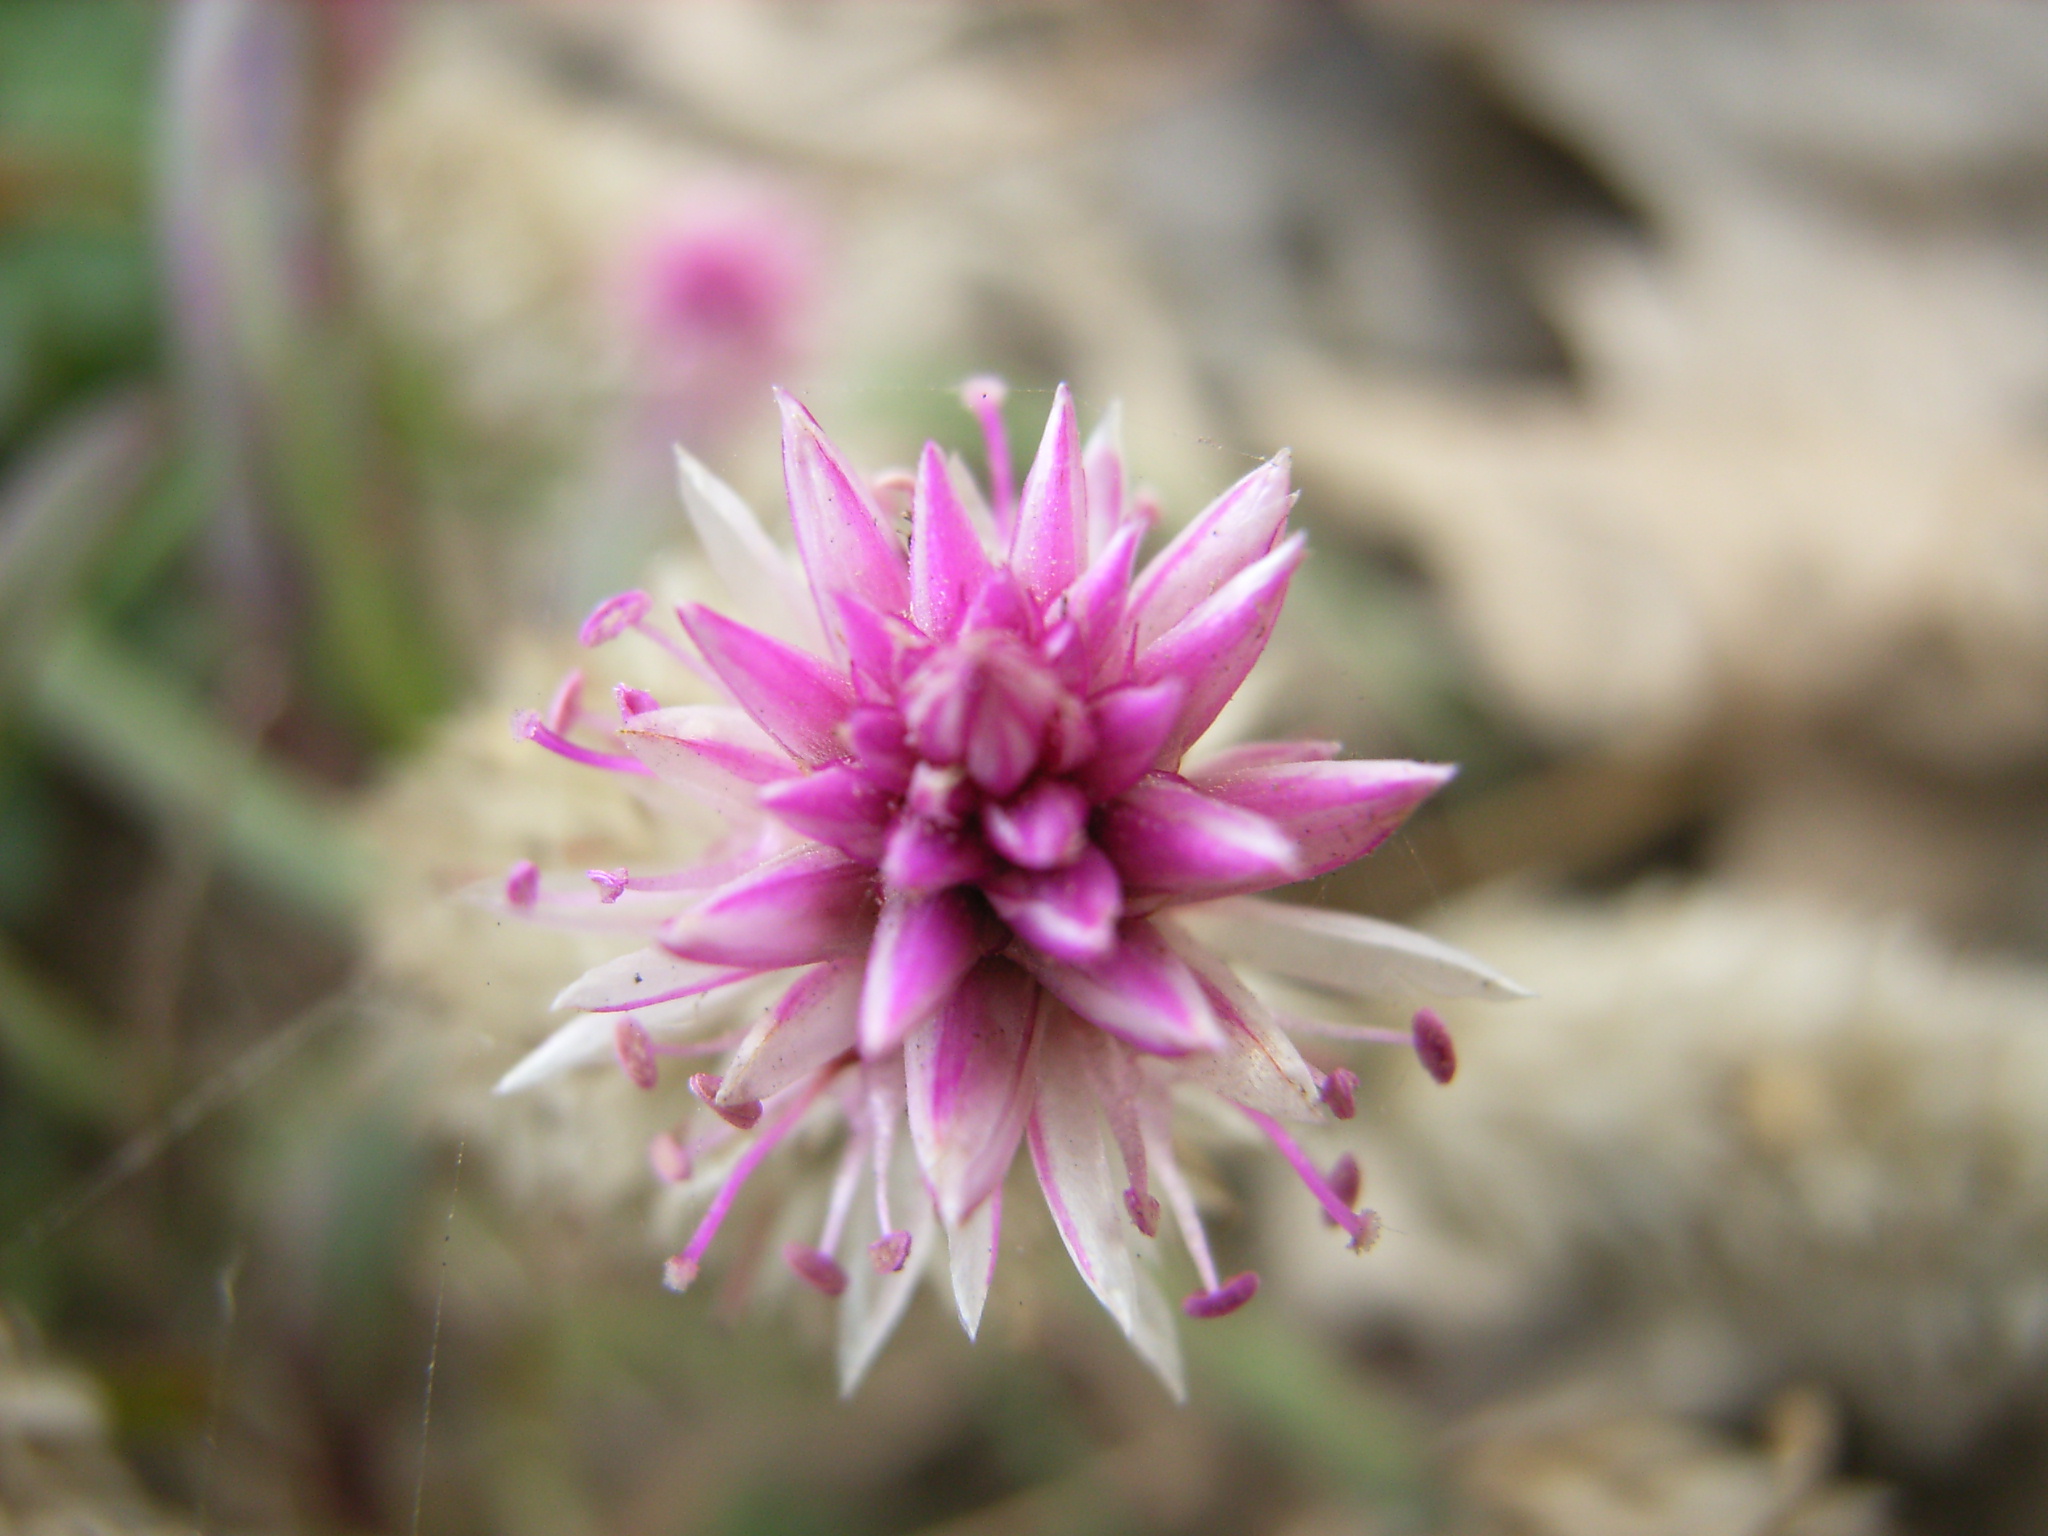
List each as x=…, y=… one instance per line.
x=972, y=886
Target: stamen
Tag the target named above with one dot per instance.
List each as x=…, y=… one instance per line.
x=891, y=1252
x=676, y=649
x=611, y=883
x=566, y=707
x=892, y=1248
x=679, y=1271
x=1119, y=1091
x=1359, y=1034
x=529, y=725
x=984, y=395
x=819, y=1270
x=613, y=617
x=1182, y=1200
x=1363, y=1226
x=635, y=1052
x=633, y=701
x=1347, y=1179
x=669, y=1156
x=1433, y=1045
x=1222, y=1300
x=1340, y=1092
x=741, y=1117
x=845, y=1183
x=522, y=885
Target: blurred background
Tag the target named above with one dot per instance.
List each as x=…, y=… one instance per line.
x=1668, y=388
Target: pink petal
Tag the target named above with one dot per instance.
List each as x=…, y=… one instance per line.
x=1069, y=914
x=710, y=751
x=924, y=857
x=1046, y=827
x=811, y=903
x=1046, y=549
x=841, y=535
x=947, y=562
x=1239, y=527
x=809, y=1025
x=1142, y=992
x=1167, y=836
x=765, y=591
x=1065, y=1137
x=1102, y=467
x=1332, y=812
x=1096, y=600
x=1215, y=647
x=837, y=806
x=970, y=1083
x=1131, y=727
x=792, y=695
x=923, y=945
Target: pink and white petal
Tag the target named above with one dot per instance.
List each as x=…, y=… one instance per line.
x=1213, y=650
x=1102, y=467
x=923, y=946
x=809, y=903
x=971, y=1248
x=1072, y=1161
x=1069, y=914
x=1096, y=601
x=1046, y=827
x=643, y=977
x=791, y=694
x=1333, y=813
x=587, y=1039
x=1142, y=993
x=921, y=857
x=1131, y=727
x=968, y=1074
x=1237, y=529
x=874, y=1303
x=835, y=805
x=765, y=589
x=710, y=751
x=947, y=562
x=1048, y=544
x=809, y=1025
x=843, y=539
x=1258, y=1065
x=1342, y=951
x=1167, y=837
x=1213, y=768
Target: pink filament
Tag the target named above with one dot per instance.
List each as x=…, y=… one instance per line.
x=522, y=885
x=1304, y=1166
x=984, y=396
x=530, y=725
x=566, y=707
x=683, y=1266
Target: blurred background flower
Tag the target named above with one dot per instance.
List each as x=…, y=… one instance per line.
x=1665, y=385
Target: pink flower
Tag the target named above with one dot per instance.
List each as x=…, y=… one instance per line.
x=972, y=885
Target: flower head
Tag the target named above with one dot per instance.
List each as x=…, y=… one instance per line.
x=971, y=883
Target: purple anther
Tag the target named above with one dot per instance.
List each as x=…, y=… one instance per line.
x=611, y=883
x=818, y=1270
x=1340, y=1092
x=614, y=616
x=567, y=705
x=670, y=1158
x=522, y=885
x=1433, y=1046
x=741, y=1117
x=1368, y=1234
x=890, y=1252
x=635, y=1052
x=1225, y=1299
x=1144, y=1211
x=1347, y=1179
x=633, y=701
x=679, y=1273
x=529, y=726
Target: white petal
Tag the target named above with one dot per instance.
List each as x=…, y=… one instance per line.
x=585, y=1038
x=1065, y=1136
x=623, y=982
x=971, y=1248
x=1341, y=950
x=874, y=1304
x=765, y=588
x=1258, y=1065
x=1155, y=1333
x=661, y=738
x=807, y=1027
